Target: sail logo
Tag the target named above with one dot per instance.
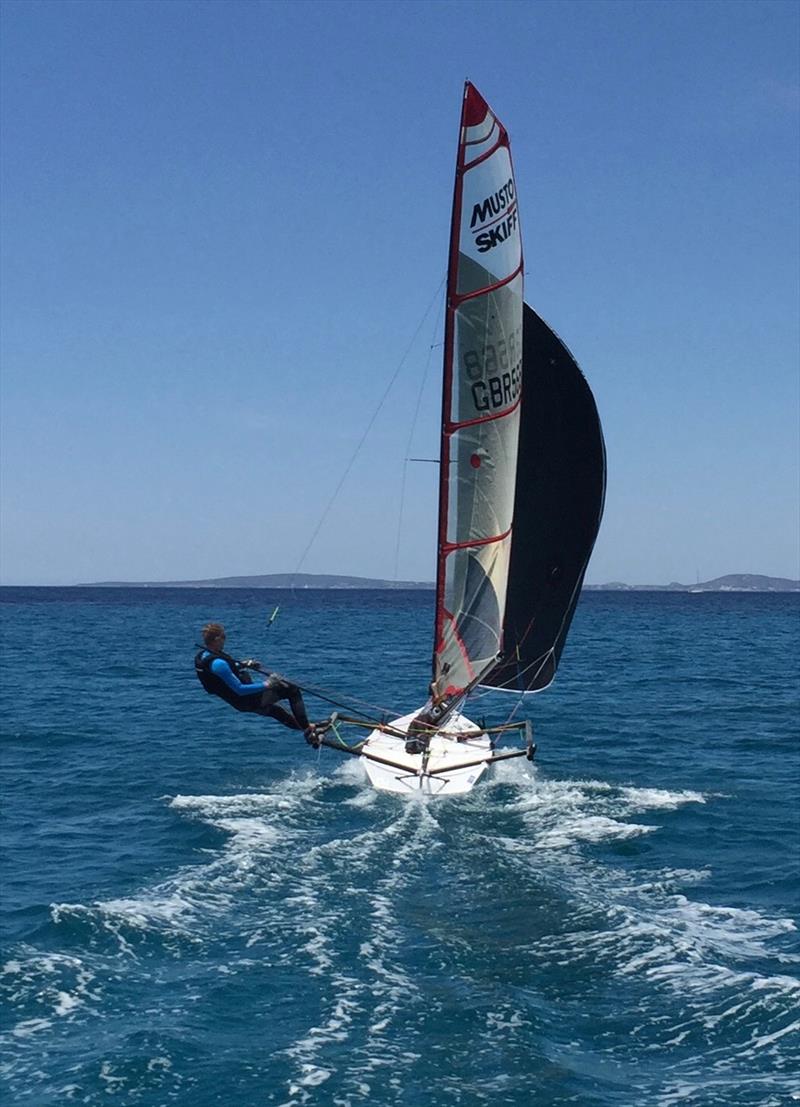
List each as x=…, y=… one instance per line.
x=494, y=218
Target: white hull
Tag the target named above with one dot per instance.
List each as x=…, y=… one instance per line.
x=451, y=767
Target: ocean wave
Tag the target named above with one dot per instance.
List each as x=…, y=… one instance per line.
x=46, y=987
x=393, y=916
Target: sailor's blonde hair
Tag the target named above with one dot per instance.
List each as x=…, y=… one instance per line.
x=212, y=631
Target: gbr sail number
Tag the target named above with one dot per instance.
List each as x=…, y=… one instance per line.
x=495, y=375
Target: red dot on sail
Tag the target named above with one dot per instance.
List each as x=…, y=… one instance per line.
x=475, y=461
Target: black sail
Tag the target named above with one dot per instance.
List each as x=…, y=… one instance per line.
x=558, y=505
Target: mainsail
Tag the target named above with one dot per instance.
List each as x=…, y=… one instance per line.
x=522, y=454
x=481, y=400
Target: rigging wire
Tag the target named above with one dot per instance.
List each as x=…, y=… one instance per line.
x=366, y=709
x=368, y=717
x=353, y=704
x=415, y=417
x=363, y=438
x=331, y=697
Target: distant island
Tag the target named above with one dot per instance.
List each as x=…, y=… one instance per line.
x=736, y=582
x=272, y=580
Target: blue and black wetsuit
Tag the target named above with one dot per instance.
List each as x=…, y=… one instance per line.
x=223, y=676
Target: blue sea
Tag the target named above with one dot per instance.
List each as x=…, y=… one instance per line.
x=199, y=909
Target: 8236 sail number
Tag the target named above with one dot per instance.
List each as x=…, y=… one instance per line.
x=495, y=374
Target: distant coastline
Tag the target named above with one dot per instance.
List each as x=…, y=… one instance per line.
x=273, y=580
x=735, y=582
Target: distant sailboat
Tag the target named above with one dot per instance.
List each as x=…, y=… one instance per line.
x=522, y=484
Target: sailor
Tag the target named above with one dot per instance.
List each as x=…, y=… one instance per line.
x=223, y=676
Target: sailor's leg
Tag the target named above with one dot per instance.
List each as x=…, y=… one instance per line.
x=298, y=708
x=280, y=689
x=272, y=711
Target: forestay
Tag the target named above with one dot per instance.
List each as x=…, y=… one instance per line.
x=480, y=411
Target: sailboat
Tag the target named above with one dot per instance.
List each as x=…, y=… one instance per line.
x=522, y=485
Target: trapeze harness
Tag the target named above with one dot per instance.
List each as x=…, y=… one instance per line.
x=216, y=686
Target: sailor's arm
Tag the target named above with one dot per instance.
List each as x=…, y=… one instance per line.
x=223, y=670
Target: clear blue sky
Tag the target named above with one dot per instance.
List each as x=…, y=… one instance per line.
x=223, y=223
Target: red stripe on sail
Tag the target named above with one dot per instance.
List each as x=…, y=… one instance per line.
x=459, y=642
x=461, y=299
x=471, y=105
x=451, y=428
x=487, y=136
x=502, y=141
x=473, y=542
